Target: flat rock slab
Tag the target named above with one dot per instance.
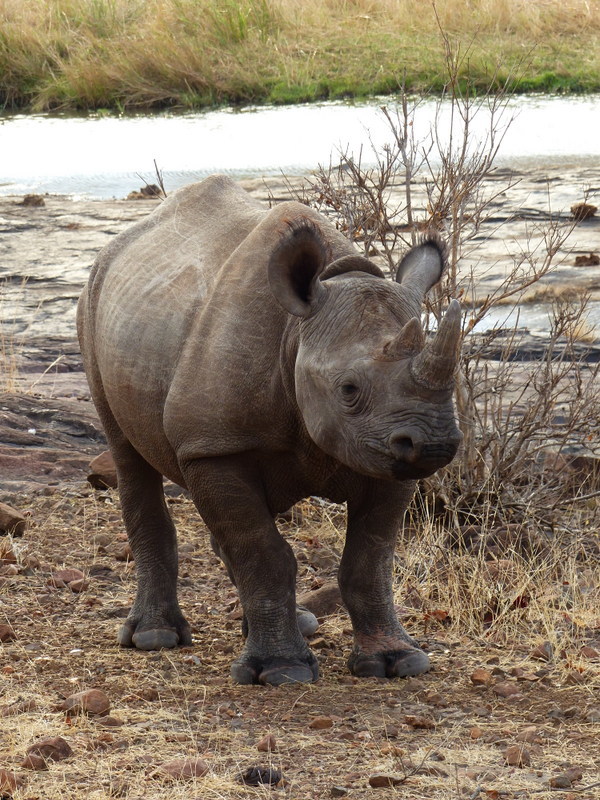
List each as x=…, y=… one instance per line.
x=45, y=442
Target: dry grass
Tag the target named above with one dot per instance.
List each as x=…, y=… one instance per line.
x=123, y=54
x=181, y=703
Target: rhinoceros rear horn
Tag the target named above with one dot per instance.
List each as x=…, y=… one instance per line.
x=295, y=266
x=435, y=365
x=409, y=341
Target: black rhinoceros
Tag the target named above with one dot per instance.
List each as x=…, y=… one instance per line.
x=253, y=357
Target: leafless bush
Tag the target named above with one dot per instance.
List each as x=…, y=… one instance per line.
x=522, y=422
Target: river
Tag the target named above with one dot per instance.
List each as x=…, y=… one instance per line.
x=102, y=156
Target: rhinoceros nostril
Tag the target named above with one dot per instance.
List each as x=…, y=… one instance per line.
x=404, y=447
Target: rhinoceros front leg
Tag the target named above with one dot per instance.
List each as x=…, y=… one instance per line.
x=155, y=619
x=228, y=495
x=382, y=647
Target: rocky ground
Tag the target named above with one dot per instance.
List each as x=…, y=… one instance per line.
x=511, y=708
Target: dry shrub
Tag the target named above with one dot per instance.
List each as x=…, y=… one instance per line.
x=526, y=474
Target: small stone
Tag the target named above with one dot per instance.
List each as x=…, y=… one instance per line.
x=18, y=707
x=110, y=722
x=33, y=201
x=11, y=521
x=476, y=732
x=323, y=601
x=7, y=633
x=419, y=722
x=63, y=577
x=78, y=586
x=481, y=677
x=54, y=748
x=561, y=782
x=182, y=769
x=321, y=723
x=261, y=776
x=267, y=744
x=589, y=652
x=381, y=780
x=34, y=761
x=338, y=791
x=9, y=783
x=103, y=472
x=124, y=553
x=92, y=702
x=506, y=689
x=543, y=652
x=528, y=734
x=593, y=715
x=517, y=756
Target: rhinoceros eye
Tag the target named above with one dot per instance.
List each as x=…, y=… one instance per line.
x=349, y=391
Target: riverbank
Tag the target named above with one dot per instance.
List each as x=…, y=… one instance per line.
x=49, y=429
x=118, y=55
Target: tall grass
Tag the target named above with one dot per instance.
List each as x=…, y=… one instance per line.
x=188, y=53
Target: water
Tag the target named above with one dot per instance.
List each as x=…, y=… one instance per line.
x=103, y=156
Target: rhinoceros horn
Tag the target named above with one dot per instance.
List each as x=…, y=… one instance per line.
x=409, y=341
x=435, y=365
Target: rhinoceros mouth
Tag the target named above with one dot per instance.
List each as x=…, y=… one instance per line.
x=426, y=465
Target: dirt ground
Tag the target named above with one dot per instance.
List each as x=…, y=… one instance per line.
x=447, y=734
x=511, y=708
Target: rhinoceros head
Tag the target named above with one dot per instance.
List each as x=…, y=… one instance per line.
x=373, y=393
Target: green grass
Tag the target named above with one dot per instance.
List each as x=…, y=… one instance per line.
x=128, y=54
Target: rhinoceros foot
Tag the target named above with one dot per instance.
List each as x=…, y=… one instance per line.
x=132, y=634
x=393, y=664
x=274, y=671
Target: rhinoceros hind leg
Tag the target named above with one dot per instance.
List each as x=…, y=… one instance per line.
x=274, y=671
x=402, y=663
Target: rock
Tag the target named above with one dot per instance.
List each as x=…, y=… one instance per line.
x=381, y=780
x=589, y=652
x=321, y=723
x=506, y=689
x=181, y=769
x=481, y=677
x=103, y=473
x=529, y=734
x=323, y=601
x=124, y=553
x=591, y=260
x=18, y=707
x=34, y=761
x=79, y=585
x=9, y=783
x=561, y=782
x=148, y=192
x=64, y=577
x=583, y=211
x=33, y=201
x=267, y=744
x=92, y=702
x=7, y=633
x=54, y=748
x=543, y=652
x=517, y=756
x=476, y=732
x=261, y=776
x=419, y=722
x=11, y=521
x=338, y=791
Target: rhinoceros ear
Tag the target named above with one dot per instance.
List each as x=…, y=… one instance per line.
x=423, y=265
x=295, y=266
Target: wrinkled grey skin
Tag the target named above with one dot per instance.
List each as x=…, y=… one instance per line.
x=251, y=356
